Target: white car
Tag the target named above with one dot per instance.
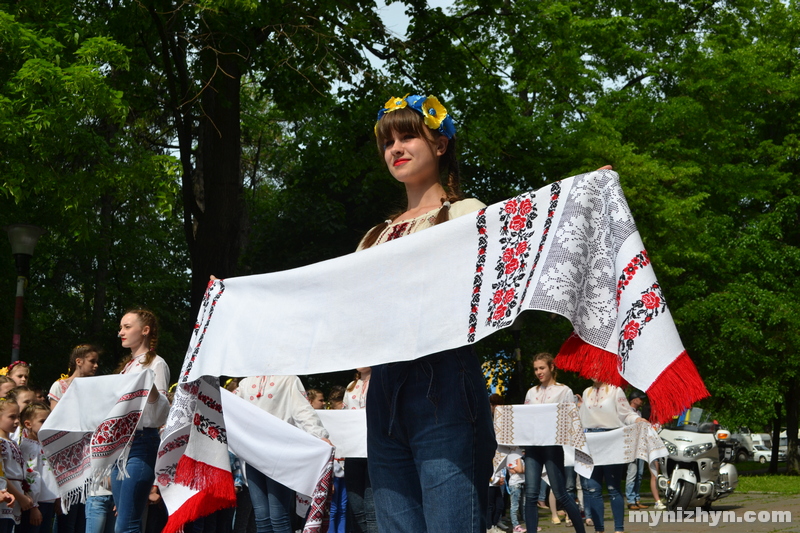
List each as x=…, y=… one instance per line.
x=762, y=454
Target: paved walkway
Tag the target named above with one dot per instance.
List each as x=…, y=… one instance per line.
x=762, y=509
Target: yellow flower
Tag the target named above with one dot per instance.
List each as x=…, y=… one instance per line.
x=433, y=112
x=4, y=371
x=63, y=376
x=394, y=103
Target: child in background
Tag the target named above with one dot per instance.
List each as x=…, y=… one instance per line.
x=6, y=385
x=12, y=466
x=43, y=487
x=516, y=485
x=23, y=395
x=19, y=371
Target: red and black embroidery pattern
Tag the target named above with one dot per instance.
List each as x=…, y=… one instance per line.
x=179, y=442
x=114, y=433
x=133, y=395
x=205, y=426
x=477, y=283
x=640, y=260
x=555, y=194
x=208, y=310
x=641, y=313
x=516, y=216
x=70, y=463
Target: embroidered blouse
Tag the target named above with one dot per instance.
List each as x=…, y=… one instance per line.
x=155, y=413
x=606, y=407
x=58, y=389
x=555, y=393
x=356, y=398
x=14, y=470
x=402, y=228
x=284, y=397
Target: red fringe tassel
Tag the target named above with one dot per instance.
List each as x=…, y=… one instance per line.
x=589, y=361
x=675, y=390
x=216, y=492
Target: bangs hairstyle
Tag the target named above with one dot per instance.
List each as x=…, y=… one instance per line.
x=406, y=121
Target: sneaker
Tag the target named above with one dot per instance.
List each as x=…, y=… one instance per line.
x=659, y=506
x=519, y=529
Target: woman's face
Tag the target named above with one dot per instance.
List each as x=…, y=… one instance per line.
x=87, y=366
x=131, y=332
x=542, y=370
x=413, y=160
x=20, y=375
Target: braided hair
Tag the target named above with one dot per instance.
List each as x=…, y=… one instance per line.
x=81, y=351
x=146, y=318
x=408, y=122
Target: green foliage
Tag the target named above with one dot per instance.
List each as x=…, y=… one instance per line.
x=769, y=484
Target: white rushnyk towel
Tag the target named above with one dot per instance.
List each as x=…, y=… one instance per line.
x=90, y=430
x=552, y=424
x=626, y=444
x=570, y=248
x=347, y=429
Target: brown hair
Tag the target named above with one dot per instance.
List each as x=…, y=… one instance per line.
x=547, y=358
x=6, y=379
x=407, y=121
x=31, y=409
x=312, y=394
x=5, y=401
x=352, y=384
x=81, y=352
x=336, y=394
x=13, y=393
x=147, y=318
x=496, y=399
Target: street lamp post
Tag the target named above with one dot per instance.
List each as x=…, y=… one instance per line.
x=23, y=239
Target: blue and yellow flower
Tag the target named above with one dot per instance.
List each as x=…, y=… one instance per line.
x=433, y=112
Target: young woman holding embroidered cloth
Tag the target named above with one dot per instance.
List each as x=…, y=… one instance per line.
x=430, y=439
x=283, y=397
x=605, y=407
x=138, y=330
x=549, y=457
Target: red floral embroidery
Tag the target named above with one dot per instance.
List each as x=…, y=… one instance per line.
x=641, y=312
x=477, y=283
x=651, y=300
x=640, y=260
x=631, y=330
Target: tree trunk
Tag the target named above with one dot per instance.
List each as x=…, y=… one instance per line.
x=792, y=401
x=217, y=236
x=776, y=439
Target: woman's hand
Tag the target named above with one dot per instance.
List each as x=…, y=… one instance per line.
x=35, y=517
x=606, y=167
x=25, y=502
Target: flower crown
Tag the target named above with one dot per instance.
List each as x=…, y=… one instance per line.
x=433, y=112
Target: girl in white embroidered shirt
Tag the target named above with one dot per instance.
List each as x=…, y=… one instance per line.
x=605, y=407
x=83, y=362
x=356, y=469
x=138, y=330
x=285, y=398
x=550, y=457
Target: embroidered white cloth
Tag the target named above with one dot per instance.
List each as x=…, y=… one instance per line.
x=544, y=425
x=348, y=429
x=626, y=444
x=90, y=430
x=570, y=248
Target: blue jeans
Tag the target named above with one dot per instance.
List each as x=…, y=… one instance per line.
x=517, y=494
x=338, y=522
x=100, y=514
x=570, y=485
x=272, y=503
x=593, y=495
x=551, y=458
x=633, y=481
x=430, y=442
x=131, y=493
x=360, y=497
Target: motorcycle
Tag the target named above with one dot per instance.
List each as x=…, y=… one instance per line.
x=693, y=474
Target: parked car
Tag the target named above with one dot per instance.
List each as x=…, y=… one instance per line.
x=762, y=454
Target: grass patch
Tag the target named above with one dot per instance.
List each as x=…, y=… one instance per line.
x=778, y=484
